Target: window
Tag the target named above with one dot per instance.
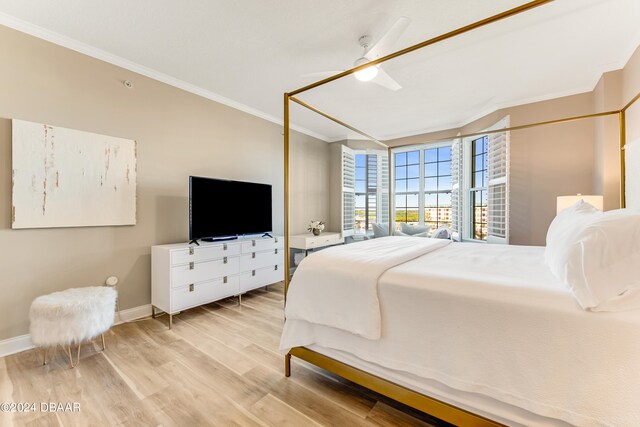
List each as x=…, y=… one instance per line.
x=481, y=186
x=407, y=189
x=462, y=184
x=478, y=188
x=437, y=186
x=366, y=192
x=423, y=186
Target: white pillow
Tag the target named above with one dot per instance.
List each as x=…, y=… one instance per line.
x=603, y=262
x=562, y=231
x=380, y=230
x=443, y=232
x=414, y=229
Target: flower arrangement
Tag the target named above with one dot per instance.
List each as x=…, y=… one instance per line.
x=316, y=227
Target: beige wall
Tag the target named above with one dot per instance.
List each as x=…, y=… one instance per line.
x=607, y=96
x=614, y=90
x=310, y=179
x=630, y=88
x=178, y=133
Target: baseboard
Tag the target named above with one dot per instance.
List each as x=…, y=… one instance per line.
x=134, y=313
x=15, y=345
x=23, y=342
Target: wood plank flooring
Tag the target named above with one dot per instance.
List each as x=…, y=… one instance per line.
x=218, y=366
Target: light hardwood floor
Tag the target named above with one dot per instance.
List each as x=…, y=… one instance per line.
x=218, y=366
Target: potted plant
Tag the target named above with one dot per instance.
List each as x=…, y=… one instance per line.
x=316, y=227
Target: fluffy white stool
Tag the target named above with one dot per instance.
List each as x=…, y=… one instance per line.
x=70, y=317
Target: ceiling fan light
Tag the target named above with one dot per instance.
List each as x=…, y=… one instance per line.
x=366, y=74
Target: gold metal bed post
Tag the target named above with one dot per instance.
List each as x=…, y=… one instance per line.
x=286, y=195
x=387, y=388
x=623, y=142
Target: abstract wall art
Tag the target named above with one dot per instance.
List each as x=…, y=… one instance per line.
x=70, y=178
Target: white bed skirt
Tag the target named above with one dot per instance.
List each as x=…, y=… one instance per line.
x=473, y=402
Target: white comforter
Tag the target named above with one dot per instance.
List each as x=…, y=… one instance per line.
x=493, y=320
x=338, y=287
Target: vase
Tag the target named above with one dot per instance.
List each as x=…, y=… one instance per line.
x=315, y=231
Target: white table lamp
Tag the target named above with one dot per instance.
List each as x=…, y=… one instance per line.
x=566, y=201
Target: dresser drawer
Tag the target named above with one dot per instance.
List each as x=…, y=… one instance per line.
x=321, y=241
x=262, y=244
x=200, y=271
x=204, y=253
x=261, y=277
x=201, y=293
x=309, y=241
x=257, y=260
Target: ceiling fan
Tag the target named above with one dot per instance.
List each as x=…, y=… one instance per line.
x=374, y=74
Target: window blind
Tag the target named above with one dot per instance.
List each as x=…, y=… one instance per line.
x=456, y=189
x=498, y=188
x=383, y=185
x=348, y=191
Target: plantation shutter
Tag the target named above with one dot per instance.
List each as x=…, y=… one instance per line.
x=456, y=189
x=348, y=191
x=383, y=187
x=498, y=188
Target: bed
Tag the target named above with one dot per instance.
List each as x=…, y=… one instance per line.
x=472, y=334
x=502, y=337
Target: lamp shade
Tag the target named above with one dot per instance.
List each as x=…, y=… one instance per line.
x=367, y=74
x=566, y=201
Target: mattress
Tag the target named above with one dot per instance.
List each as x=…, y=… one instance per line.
x=491, y=321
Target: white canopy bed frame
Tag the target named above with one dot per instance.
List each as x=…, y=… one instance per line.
x=422, y=402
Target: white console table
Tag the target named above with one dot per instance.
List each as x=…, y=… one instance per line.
x=185, y=275
x=309, y=241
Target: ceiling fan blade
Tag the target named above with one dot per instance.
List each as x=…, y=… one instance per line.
x=385, y=45
x=321, y=74
x=383, y=79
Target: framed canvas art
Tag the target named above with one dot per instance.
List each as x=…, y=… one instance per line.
x=70, y=178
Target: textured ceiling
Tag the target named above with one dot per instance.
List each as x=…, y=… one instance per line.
x=246, y=53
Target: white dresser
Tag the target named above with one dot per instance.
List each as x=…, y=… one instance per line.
x=185, y=276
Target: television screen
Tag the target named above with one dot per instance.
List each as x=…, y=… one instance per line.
x=221, y=208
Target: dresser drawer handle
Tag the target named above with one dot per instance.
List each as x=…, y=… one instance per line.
x=253, y=254
x=224, y=247
x=253, y=243
x=191, y=265
x=224, y=279
x=253, y=272
x=224, y=260
x=275, y=268
x=191, y=251
x=276, y=239
x=276, y=252
x=191, y=287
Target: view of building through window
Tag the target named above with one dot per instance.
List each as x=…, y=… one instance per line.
x=479, y=181
x=435, y=194
x=407, y=190
x=437, y=186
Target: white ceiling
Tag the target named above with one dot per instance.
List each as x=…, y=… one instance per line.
x=246, y=53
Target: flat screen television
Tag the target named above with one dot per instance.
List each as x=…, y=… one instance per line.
x=224, y=209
